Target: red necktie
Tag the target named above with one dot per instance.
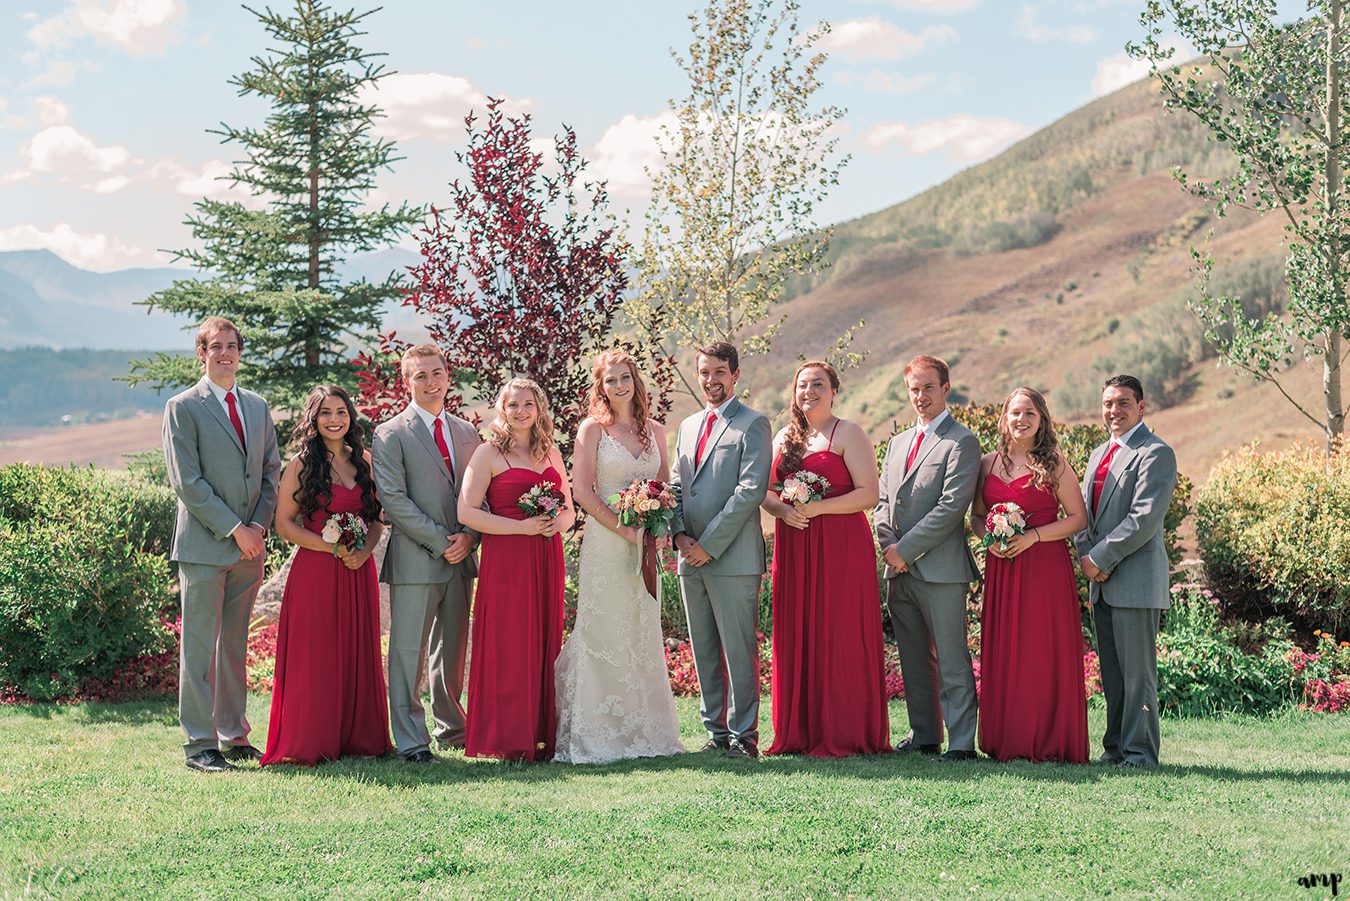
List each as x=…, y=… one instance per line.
x=235, y=420
x=1099, y=479
x=703, y=439
x=914, y=450
x=445, y=450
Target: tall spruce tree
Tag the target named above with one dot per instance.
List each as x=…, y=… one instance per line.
x=274, y=270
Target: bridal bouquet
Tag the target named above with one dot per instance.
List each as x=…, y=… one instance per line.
x=1003, y=522
x=543, y=499
x=344, y=530
x=802, y=487
x=648, y=504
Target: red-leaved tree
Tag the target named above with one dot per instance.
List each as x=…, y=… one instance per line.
x=523, y=274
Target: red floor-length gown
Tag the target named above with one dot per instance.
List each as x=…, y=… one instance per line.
x=328, y=696
x=1032, y=701
x=517, y=632
x=828, y=689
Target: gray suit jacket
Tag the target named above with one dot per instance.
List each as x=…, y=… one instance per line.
x=720, y=498
x=1125, y=535
x=419, y=499
x=217, y=484
x=925, y=509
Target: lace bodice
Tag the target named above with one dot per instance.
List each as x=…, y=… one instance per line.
x=616, y=468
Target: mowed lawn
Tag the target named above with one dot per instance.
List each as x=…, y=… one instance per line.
x=95, y=801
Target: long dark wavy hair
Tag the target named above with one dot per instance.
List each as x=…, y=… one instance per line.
x=1044, y=457
x=316, y=478
x=794, y=442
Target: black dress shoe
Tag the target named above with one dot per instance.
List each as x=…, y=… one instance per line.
x=209, y=761
x=953, y=755
x=241, y=752
x=422, y=756
x=720, y=745
x=907, y=745
x=742, y=750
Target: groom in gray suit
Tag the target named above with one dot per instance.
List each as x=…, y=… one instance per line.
x=927, y=483
x=221, y=451
x=1128, y=487
x=722, y=460
x=419, y=458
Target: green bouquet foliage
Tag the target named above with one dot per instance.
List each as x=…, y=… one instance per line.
x=1274, y=536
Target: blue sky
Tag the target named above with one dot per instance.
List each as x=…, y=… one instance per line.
x=104, y=104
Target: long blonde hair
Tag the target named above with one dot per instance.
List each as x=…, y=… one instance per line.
x=1044, y=458
x=541, y=433
x=597, y=402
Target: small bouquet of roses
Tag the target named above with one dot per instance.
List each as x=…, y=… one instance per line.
x=802, y=487
x=648, y=504
x=1003, y=522
x=346, y=530
x=543, y=499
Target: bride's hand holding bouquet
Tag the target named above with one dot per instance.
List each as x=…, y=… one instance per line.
x=647, y=507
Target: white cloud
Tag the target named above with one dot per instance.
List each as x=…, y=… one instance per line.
x=878, y=81
x=55, y=74
x=963, y=139
x=51, y=111
x=139, y=27
x=875, y=38
x=1119, y=70
x=62, y=150
x=935, y=6
x=202, y=181
x=1028, y=27
x=428, y=105
x=626, y=150
x=98, y=252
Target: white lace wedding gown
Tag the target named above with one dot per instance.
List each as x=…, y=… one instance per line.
x=613, y=691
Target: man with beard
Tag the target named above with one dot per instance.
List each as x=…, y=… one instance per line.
x=722, y=460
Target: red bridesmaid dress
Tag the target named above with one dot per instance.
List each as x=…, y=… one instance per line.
x=1033, y=703
x=517, y=632
x=328, y=695
x=828, y=688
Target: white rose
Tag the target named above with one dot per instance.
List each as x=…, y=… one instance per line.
x=331, y=532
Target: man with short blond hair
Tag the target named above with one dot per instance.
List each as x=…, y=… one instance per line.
x=927, y=483
x=419, y=457
x=220, y=448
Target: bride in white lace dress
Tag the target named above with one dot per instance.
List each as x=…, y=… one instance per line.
x=613, y=690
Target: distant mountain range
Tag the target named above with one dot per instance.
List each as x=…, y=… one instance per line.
x=47, y=302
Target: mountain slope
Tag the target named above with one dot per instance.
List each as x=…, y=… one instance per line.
x=1104, y=289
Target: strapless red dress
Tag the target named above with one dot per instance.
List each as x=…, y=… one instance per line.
x=517, y=632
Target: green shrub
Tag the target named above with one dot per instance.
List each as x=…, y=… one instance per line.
x=1274, y=536
x=77, y=598
x=45, y=494
x=1202, y=670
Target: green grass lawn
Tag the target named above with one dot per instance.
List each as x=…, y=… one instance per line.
x=95, y=801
